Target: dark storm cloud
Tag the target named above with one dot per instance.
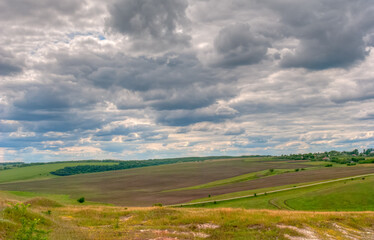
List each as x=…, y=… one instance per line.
x=331, y=34
x=153, y=26
x=9, y=64
x=8, y=69
x=237, y=45
x=57, y=121
x=58, y=106
x=51, y=97
x=170, y=82
x=187, y=117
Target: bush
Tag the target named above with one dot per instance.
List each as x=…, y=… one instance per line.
x=157, y=205
x=28, y=229
x=328, y=165
x=81, y=200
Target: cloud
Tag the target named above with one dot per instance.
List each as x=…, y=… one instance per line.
x=156, y=27
x=237, y=45
x=172, y=81
x=213, y=113
x=41, y=13
x=353, y=91
x=9, y=65
x=138, y=79
x=329, y=35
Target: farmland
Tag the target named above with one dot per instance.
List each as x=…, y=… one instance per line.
x=184, y=182
x=118, y=204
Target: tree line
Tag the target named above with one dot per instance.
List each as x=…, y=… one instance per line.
x=66, y=171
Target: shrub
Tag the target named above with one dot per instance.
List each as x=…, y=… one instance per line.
x=28, y=229
x=157, y=205
x=81, y=200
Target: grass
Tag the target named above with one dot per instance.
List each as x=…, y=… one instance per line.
x=108, y=222
x=349, y=195
x=36, y=198
x=37, y=172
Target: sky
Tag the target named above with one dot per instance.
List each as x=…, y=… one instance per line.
x=143, y=79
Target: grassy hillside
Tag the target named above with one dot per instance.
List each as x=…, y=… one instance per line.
x=59, y=221
x=42, y=171
x=348, y=195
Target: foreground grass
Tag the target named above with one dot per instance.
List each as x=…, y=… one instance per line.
x=348, y=195
x=36, y=172
x=67, y=222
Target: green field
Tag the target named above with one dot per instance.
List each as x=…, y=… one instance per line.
x=347, y=195
x=42, y=171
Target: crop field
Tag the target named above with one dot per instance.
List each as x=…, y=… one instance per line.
x=184, y=182
x=61, y=221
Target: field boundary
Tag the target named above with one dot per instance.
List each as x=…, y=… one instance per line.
x=273, y=191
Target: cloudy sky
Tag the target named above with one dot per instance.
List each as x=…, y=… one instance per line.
x=139, y=79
